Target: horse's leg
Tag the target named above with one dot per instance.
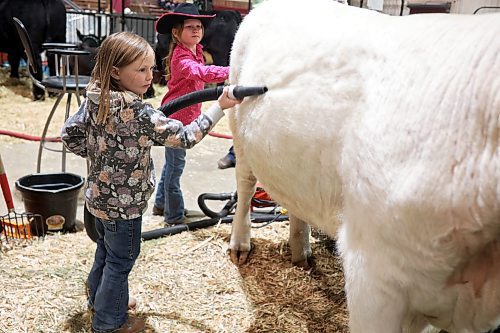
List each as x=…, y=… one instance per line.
x=14, y=60
x=38, y=93
x=56, y=35
x=51, y=62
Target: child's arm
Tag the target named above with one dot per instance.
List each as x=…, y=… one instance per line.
x=170, y=132
x=193, y=70
x=74, y=132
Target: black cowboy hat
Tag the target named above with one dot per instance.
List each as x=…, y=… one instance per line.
x=182, y=12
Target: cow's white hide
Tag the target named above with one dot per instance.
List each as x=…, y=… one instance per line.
x=394, y=122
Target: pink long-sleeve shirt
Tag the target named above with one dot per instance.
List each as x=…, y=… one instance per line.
x=188, y=74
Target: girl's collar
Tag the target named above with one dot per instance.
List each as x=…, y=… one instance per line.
x=198, y=48
x=94, y=92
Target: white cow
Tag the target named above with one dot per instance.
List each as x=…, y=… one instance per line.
x=395, y=123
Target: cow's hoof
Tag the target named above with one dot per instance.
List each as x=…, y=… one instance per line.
x=306, y=264
x=239, y=257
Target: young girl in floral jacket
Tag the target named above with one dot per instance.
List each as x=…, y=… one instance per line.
x=114, y=130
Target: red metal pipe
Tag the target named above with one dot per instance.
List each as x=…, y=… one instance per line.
x=28, y=137
x=58, y=139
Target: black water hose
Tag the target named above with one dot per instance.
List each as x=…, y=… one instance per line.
x=176, y=229
x=209, y=94
x=225, y=211
x=157, y=233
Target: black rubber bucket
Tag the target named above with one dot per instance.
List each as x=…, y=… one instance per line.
x=54, y=196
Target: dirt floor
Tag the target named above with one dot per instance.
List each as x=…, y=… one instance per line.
x=184, y=283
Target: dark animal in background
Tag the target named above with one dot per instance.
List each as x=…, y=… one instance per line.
x=86, y=63
x=89, y=43
x=219, y=35
x=217, y=40
x=45, y=21
x=161, y=51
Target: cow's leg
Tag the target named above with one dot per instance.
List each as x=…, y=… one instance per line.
x=374, y=305
x=240, y=246
x=419, y=324
x=299, y=242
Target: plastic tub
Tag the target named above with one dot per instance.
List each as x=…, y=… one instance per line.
x=54, y=196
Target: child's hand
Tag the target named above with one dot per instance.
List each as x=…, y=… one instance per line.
x=225, y=102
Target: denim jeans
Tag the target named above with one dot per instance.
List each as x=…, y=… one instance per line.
x=168, y=193
x=231, y=155
x=118, y=246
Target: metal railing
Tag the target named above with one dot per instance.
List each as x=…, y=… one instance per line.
x=104, y=24
x=495, y=8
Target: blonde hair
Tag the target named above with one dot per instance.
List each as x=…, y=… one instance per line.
x=118, y=50
x=178, y=28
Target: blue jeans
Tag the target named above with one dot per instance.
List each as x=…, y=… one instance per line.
x=169, y=194
x=231, y=155
x=118, y=246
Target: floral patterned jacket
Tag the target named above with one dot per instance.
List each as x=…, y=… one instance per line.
x=121, y=175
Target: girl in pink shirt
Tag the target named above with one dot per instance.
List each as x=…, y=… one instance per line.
x=186, y=72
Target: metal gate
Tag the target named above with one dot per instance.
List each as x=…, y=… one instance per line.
x=104, y=24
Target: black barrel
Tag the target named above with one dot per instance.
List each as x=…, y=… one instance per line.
x=54, y=196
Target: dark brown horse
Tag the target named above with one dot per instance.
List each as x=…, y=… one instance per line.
x=89, y=43
x=45, y=21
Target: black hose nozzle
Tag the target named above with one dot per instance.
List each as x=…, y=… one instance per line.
x=240, y=92
x=210, y=94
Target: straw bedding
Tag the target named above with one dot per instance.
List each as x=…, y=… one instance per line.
x=183, y=283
